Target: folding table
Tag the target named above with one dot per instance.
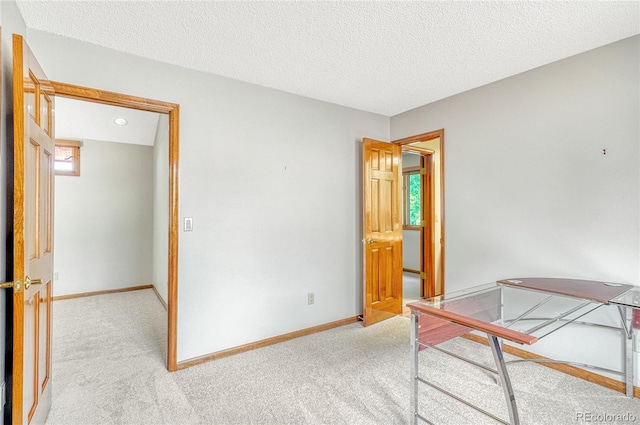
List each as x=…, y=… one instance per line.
x=521, y=310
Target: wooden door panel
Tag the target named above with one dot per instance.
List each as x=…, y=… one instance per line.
x=373, y=270
x=46, y=108
x=384, y=286
x=30, y=85
x=382, y=182
x=33, y=237
x=388, y=284
x=374, y=207
x=48, y=173
x=382, y=231
x=30, y=377
x=32, y=171
x=44, y=366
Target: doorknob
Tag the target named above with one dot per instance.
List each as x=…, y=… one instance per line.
x=16, y=285
x=28, y=282
x=6, y=285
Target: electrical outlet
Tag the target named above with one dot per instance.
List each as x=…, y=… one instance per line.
x=636, y=340
x=310, y=298
x=56, y=276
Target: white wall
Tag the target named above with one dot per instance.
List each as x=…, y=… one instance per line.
x=411, y=249
x=104, y=220
x=527, y=188
x=11, y=22
x=161, y=208
x=272, y=182
x=528, y=191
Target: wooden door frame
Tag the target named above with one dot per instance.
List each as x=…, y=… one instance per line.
x=426, y=236
x=173, y=110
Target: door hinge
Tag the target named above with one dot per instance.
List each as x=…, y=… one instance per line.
x=423, y=275
x=16, y=285
x=422, y=223
x=423, y=171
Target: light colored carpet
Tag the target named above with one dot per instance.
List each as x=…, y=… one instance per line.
x=108, y=368
x=410, y=287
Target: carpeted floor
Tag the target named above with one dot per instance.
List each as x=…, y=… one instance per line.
x=410, y=287
x=108, y=368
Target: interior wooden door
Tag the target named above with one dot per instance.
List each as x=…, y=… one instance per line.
x=382, y=172
x=32, y=238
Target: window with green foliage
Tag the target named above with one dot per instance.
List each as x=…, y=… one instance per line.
x=412, y=202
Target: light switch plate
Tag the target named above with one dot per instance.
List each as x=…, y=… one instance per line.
x=188, y=224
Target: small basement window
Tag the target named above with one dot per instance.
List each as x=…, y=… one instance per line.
x=67, y=158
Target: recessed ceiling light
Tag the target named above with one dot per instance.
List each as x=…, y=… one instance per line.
x=121, y=121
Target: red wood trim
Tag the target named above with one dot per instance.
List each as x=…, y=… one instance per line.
x=411, y=170
x=593, y=290
x=404, y=269
x=107, y=291
x=434, y=330
x=420, y=137
x=18, y=229
x=111, y=98
x=265, y=342
x=173, y=109
x=71, y=143
x=174, y=226
x=499, y=331
x=162, y=301
x=438, y=284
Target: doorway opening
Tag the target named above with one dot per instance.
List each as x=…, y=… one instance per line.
x=172, y=112
x=423, y=215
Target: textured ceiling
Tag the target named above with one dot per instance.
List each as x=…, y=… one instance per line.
x=385, y=57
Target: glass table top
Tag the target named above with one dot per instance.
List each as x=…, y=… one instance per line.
x=531, y=312
x=631, y=298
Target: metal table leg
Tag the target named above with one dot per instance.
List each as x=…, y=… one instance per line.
x=504, y=378
x=628, y=346
x=414, y=368
x=626, y=317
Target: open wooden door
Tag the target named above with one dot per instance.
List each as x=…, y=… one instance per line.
x=382, y=233
x=32, y=238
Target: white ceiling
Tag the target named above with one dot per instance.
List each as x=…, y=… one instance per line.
x=384, y=56
x=80, y=120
